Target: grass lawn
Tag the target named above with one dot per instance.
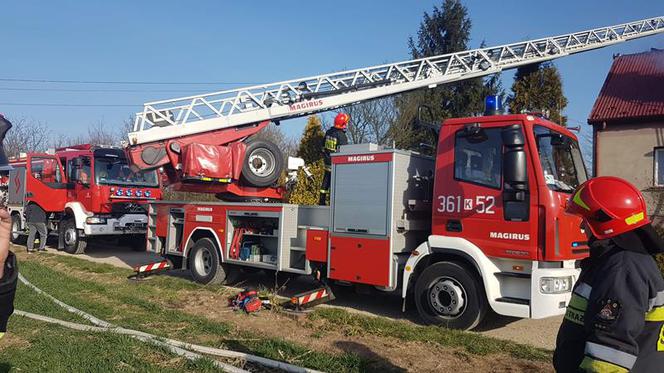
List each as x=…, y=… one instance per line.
x=156, y=306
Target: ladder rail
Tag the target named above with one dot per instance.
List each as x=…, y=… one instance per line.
x=165, y=119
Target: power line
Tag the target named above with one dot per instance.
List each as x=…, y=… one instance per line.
x=98, y=90
x=120, y=82
x=65, y=105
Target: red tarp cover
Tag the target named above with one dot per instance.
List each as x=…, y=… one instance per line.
x=200, y=160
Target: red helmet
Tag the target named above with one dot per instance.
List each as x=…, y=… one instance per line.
x=341, y=121
x=609, y=206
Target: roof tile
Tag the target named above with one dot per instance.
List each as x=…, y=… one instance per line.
x=633, y=90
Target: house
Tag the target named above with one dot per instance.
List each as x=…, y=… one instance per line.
x=628, y=125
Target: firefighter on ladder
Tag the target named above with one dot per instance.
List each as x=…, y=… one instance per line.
x=615, y=319
x=334, y=138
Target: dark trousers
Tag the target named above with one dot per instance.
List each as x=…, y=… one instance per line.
x=35, y=228
x=325, y=186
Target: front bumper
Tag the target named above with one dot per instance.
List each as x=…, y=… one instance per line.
x=125, y=224
x=546, y=305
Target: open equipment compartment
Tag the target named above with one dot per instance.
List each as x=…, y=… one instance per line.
x=253, y=238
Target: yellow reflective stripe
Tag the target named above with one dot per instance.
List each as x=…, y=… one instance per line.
x=2, y=334
x=591, y=365
x=577, y=199
x=574, y=315
x=660, y=340
x=331, y=143
x=634, y=218
x=578, y=302
x=657, y=314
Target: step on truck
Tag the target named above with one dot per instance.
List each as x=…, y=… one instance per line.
x=479, y=226
x=86, y=191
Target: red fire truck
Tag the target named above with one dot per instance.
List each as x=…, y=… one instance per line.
x=86, y=191
x=480, y=225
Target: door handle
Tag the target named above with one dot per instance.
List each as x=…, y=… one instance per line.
x=454, y=226
x=28, y=194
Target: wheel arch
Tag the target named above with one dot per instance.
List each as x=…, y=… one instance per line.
x=78, y=212
x=199, y=233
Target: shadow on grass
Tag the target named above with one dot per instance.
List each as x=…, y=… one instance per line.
x=377, y=363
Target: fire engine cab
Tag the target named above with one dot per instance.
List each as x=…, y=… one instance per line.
x=86, y=191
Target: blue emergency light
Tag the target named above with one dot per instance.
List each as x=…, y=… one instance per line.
x=493, y=105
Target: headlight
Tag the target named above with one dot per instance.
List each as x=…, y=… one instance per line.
x=555, y=285
x=95, y=220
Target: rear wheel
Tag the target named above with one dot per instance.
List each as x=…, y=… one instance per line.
x=204, y=263
x=17, y=237
x=73, y=242
x=450, y=295
x=263, y=164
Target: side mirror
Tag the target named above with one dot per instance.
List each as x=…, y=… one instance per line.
x=516, y=199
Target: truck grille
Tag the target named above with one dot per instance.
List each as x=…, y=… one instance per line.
x=128, y=208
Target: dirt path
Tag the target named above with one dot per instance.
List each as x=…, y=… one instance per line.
x=539, y=333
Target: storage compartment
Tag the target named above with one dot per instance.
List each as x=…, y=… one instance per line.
x=360, y=260
x=253, y=237
x=175, y=230
x=317, y=245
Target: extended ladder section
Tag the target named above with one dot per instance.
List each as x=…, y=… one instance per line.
x=162, y=120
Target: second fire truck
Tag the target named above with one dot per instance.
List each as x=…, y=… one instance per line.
x=86, y=191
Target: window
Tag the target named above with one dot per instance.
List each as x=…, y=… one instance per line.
x=561, y=160
x=45, y=170
x=659, y=167
x=116, y=171
x=478, y=157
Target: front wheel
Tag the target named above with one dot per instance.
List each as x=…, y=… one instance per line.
x=17, y=237
x=204, y=263
x=449, y=295
x=73, y=242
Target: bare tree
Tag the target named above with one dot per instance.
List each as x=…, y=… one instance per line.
x=26, y=135
x=371, y=121
x=100, y=134
x=275, y=135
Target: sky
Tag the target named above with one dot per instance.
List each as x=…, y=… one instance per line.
x=236, y=44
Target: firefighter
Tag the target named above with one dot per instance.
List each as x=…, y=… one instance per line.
x=334, y=138
x=8, y=272
x=615, y=319
x=35, y=217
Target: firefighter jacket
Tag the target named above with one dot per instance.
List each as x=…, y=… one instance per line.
x=334, y=138
x=615, y=319
x=7, y=291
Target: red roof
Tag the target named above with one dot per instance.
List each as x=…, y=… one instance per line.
x=633, y=90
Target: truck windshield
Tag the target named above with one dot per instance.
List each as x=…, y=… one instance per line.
x=116, y=171
x=561, y=160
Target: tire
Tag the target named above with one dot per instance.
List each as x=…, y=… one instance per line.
x=263, y=164
x=450, y=295
x=204, y=263
x=74, y=243
x=136, y=242
x=16, y=237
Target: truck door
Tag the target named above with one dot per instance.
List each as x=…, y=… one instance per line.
x=475, y=202
x=80, y=173
x=45, y=183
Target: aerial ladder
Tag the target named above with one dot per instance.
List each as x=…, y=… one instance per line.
x=204, y=142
